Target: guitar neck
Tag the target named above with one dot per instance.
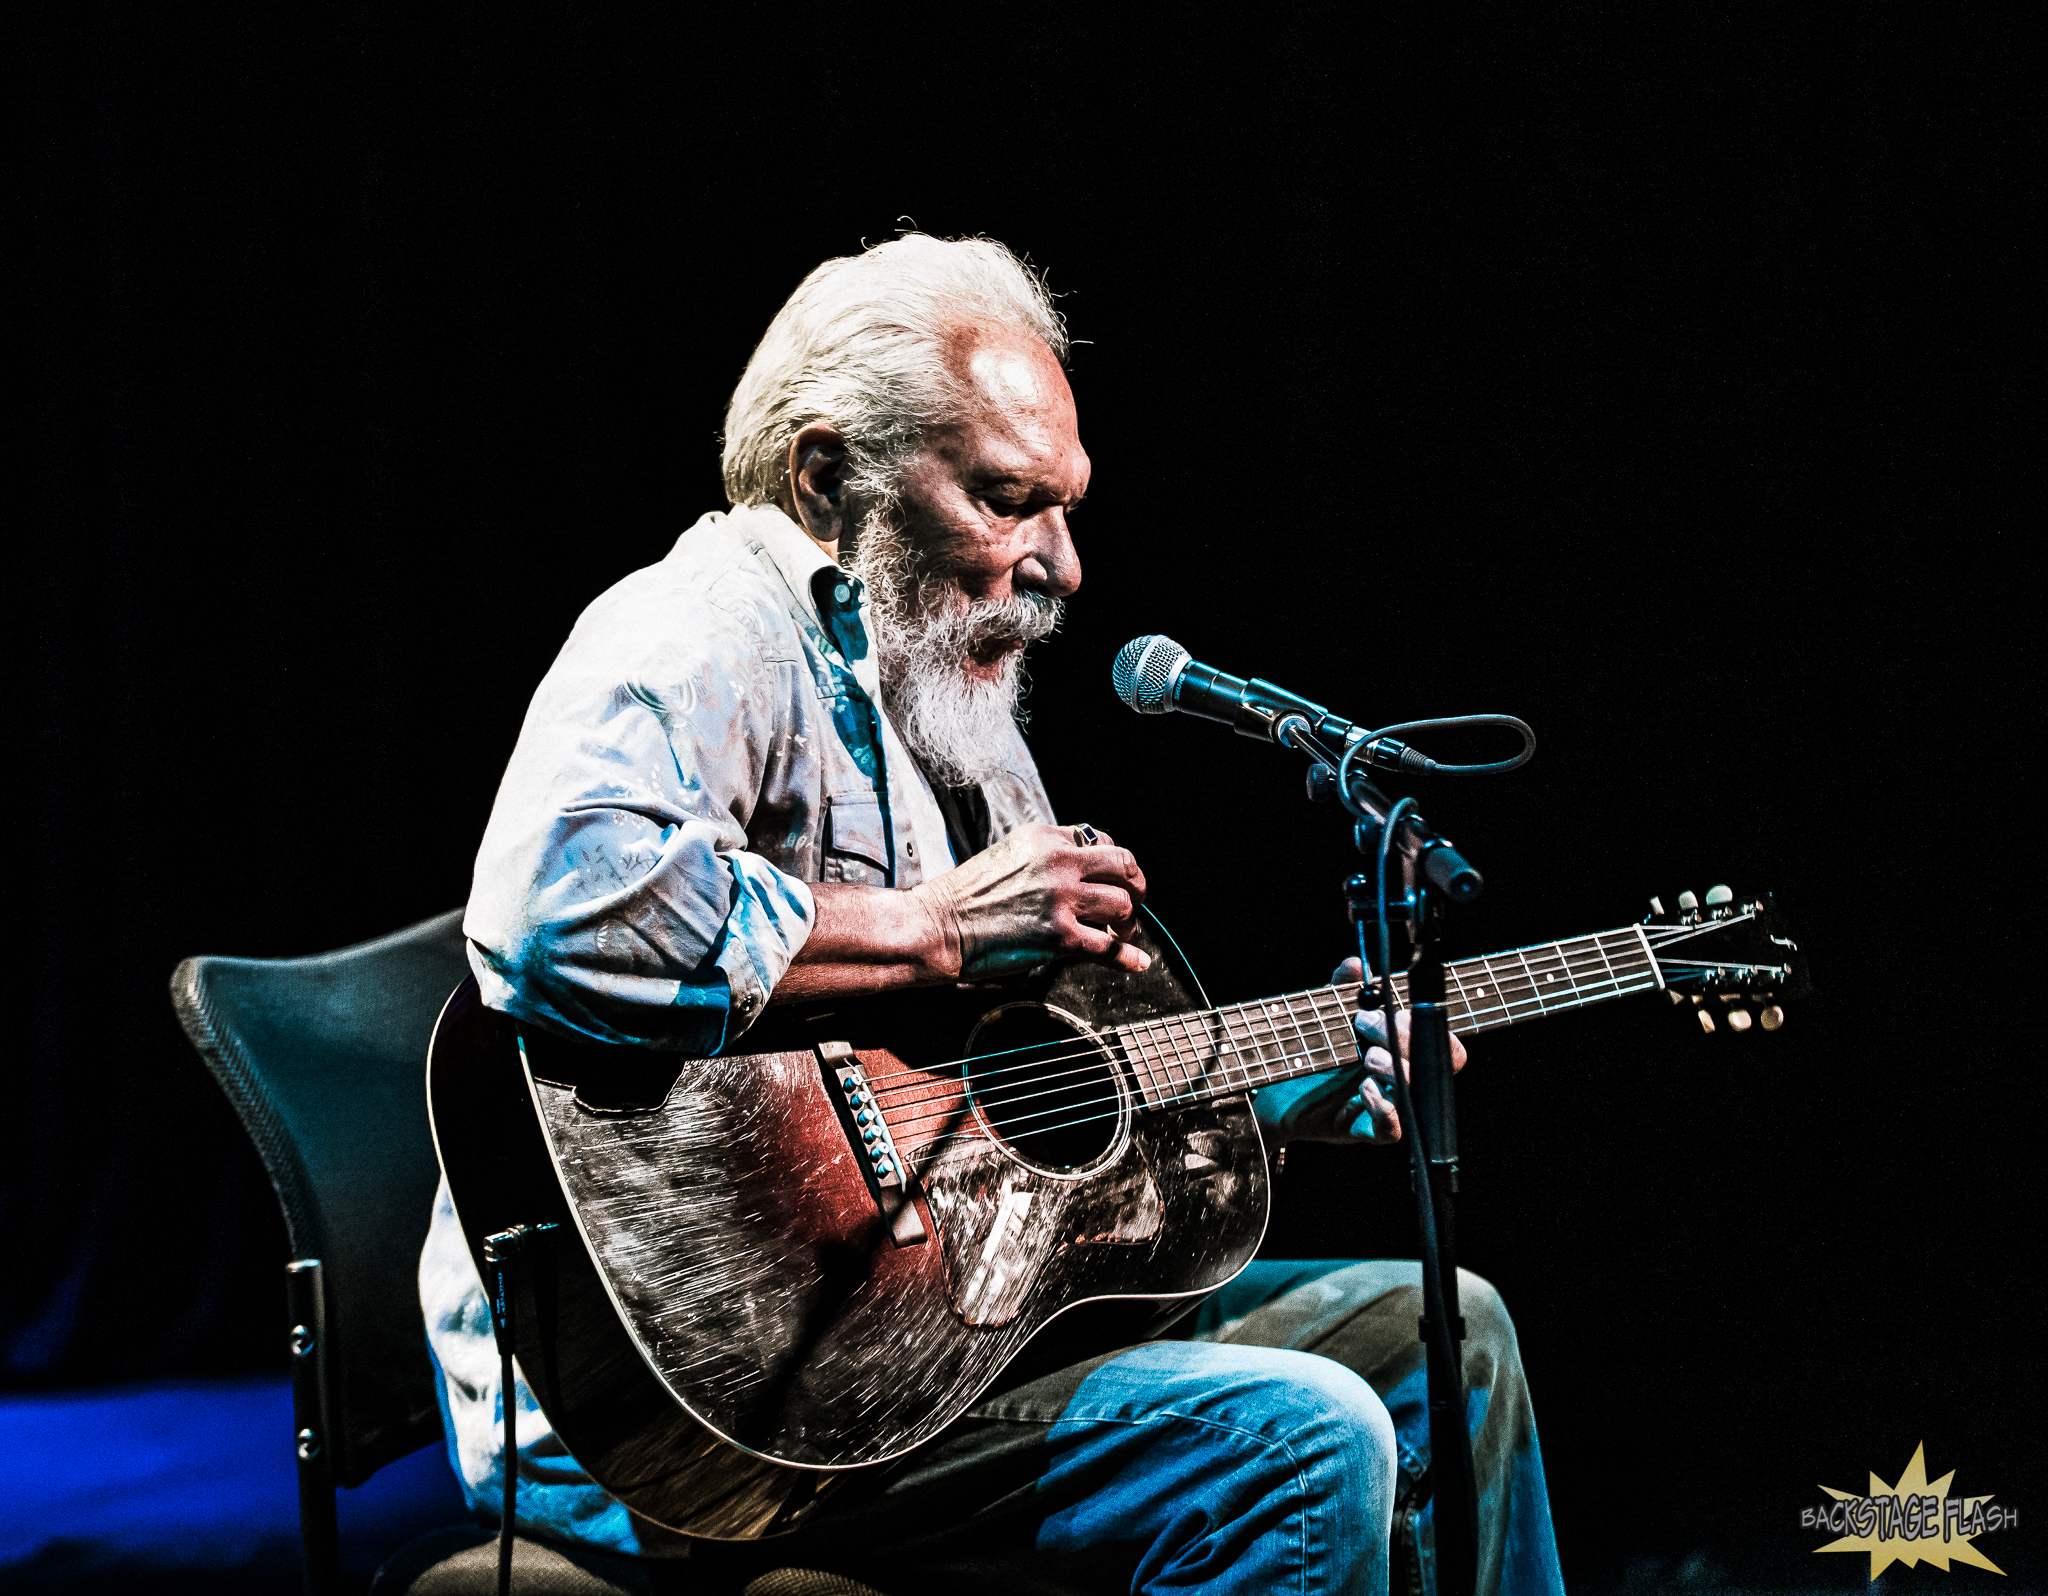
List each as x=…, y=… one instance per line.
x=1210, y=1053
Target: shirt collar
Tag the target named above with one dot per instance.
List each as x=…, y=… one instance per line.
x=833, y=601
x=790, y=550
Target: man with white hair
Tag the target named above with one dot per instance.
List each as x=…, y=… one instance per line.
x=785, y=763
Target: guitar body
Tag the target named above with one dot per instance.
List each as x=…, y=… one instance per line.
x=737, y=1305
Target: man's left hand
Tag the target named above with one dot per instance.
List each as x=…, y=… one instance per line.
x=1354, y=1104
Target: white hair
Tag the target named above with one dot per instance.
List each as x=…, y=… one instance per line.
x=860, y=346
x=925, y=628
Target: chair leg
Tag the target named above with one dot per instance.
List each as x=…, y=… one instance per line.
x=319, y=1539
x=319, y=1533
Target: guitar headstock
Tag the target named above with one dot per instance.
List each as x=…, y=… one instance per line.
x=1734, y=962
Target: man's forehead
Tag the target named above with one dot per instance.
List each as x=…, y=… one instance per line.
x=1008, y=376
x=1024, y=424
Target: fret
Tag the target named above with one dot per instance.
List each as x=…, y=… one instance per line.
x=1287, y=1008
x=1573, y=963
x=1599, y=947
x=1254, y=1015
x=1176, y=1066
x=1486, y=1009
x=1197, y=1049
x=1639, y=976
x=1544, y=970
x=1220, y=1052
x=1162, y=1059
x=1500, y=1001
x=1188, y=1063
x=1340, y=1052
x=1255, y=1033
x=1568, y=966
x=1311, y=1049
x=1228, y=1060
x=1630, y=948
x=1463, y=1013
x=1642, y=939
x=1221, y=1064
x=1141, y=1065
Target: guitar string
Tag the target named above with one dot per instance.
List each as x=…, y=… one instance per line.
x=1091, y=1049
x=1344, y=993
x=1260, y=1030
x=1225, y=1088
x=1215, y=1085
x=1096, y=1059
x=1104, y=1060
x=939, y=1143
x=1245, y=1047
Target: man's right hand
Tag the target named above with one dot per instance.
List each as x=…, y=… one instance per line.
x=1041, y=893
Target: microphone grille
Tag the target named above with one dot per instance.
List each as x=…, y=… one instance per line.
x=1145, y=671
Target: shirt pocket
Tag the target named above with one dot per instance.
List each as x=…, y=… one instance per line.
x=856, y=840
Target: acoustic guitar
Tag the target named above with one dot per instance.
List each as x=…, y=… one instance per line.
x=811, y=1256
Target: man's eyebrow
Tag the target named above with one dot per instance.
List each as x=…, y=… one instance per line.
x=1009, y=479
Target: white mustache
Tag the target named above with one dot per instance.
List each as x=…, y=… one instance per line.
x=970, y=625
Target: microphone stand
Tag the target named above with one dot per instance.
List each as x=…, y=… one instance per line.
x=1405, y=890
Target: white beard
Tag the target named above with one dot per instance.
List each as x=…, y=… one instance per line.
x=962, y=728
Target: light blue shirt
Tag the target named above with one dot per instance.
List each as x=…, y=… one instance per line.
x=710, y=740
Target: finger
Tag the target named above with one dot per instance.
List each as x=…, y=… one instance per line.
x=1103, y=905
x=1381, y=1063
x=1111, y=949
x=1111, y=864
x=1385, y=1118
x=1371, y=1026
x=1128, y=875
x=1402, y=1022
x=1349, y=970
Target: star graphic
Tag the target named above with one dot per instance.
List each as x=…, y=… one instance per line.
x=1939, y=1544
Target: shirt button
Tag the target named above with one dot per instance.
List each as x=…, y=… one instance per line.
x=841, y=593
x=910, y=850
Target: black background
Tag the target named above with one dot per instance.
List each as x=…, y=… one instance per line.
x=1655, y=376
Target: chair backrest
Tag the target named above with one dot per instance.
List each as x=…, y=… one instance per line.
x=325, y=1058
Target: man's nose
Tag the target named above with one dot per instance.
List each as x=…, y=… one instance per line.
x=1052, y=566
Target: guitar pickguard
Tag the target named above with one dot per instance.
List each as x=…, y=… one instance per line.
x=1000, y=1223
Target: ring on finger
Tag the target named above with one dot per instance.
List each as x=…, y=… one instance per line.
x=1085, y=836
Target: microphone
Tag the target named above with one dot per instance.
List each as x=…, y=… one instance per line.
x=1154, y=675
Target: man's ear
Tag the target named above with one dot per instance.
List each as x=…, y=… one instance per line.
x=817, y=463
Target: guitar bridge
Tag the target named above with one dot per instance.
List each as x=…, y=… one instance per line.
x=872, y=1143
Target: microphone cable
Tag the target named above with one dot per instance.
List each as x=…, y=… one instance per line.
x=1401, y=757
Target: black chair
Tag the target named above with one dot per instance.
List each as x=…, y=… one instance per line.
x=324, y=1058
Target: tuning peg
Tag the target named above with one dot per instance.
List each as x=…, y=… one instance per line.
x=1771, y=1018
x=1719, y=895
x=1676, y=997
x=1738, y=1019
x=1687, y=901
x=1706, y=1021
x=1656, y=906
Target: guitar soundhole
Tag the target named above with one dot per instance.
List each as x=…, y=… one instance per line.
x=1045, y=1087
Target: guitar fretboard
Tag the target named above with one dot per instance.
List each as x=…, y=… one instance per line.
x=1186, y=1058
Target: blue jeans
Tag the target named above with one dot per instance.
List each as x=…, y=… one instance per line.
x=1282, y=1446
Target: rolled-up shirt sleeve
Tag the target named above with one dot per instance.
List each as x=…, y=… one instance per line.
x=615, y=896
